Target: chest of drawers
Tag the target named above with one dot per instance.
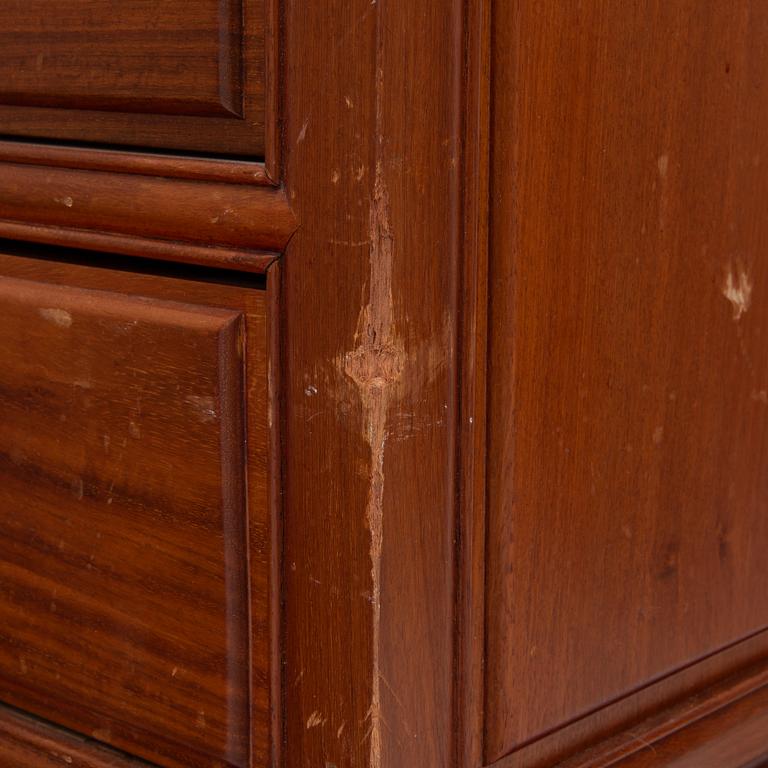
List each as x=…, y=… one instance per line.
x=383, y=385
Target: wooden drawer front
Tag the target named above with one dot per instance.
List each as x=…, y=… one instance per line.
x=123, y=577
x=135, y=72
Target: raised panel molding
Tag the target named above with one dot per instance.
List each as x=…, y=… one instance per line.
x=198, y=683
x=174, y=74
x=124, y=611
x=167, y=58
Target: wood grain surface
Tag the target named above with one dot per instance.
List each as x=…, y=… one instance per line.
x=627, y=414
x=126, y=522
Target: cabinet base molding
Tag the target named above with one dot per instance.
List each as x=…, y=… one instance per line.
x=724, y=726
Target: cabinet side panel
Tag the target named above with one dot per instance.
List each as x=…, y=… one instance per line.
x=628, y=430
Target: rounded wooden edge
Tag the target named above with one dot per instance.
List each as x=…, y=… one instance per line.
x=164, y=250
x=136, y=162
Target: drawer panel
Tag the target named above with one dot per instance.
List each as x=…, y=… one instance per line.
x=133, y=55
x=124, y=583
x=185, y=74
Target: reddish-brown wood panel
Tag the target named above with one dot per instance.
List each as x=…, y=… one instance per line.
x=186, y=75
x=136, y=596
x=628, y=428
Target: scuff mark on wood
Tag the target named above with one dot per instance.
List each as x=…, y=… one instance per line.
x=303, y=132
x=315, y=720
x=205, y=407
x=737, y=288
x=59, y=317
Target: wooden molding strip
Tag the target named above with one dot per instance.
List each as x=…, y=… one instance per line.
x=191, y=220
x=141, y=163
x=661, y=700
x=469, y=690
x=125, y=245
x=697, y=712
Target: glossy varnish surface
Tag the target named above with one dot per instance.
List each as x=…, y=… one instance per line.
x=125, y=603
x=628, y=428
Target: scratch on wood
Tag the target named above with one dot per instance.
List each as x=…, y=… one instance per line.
x=302, y=132
x=375, y=366
x=315, y=720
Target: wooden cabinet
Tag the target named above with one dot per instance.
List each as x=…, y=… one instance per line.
x=383, y=385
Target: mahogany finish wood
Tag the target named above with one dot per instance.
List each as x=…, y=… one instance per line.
x=675, y=724
x=149, y=552
x=182, y=74
x=627, y=413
